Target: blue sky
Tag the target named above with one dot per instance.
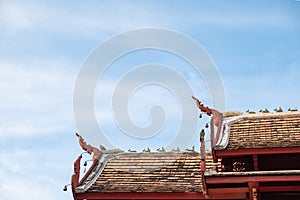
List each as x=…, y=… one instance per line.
x=254, y=44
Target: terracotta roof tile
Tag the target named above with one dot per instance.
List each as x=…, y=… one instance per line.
x=151, y=172
x=265, y=130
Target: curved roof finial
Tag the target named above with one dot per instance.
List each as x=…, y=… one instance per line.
x=88, y=148
x=207, y=110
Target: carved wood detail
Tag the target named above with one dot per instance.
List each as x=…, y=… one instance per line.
x=238, y=166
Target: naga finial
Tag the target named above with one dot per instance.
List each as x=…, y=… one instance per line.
x=207, y=110
x=88, y=148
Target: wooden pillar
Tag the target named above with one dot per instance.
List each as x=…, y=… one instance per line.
x=255, y=162
x=202, y=151
x=203, y=162
x=254, y=190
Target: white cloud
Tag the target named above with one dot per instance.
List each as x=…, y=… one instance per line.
x=256, y=15
x=139, y=107
x=14, y=15
x=95, y=20
x=91, y=20
x=34, y=174
x=35, y=99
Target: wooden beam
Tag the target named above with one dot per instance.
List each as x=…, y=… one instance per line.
x=228, y=190
x=246, y=179
x=241, y=152
x=292, y=188
x=255, y=162
x=237, y=195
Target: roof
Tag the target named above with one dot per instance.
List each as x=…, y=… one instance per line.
x=145, y=172
x=265, y=130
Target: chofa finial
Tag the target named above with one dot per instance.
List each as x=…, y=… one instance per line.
x=207, y=110
x=88, y=148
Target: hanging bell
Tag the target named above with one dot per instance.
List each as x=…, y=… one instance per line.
x=85, y=163
x=206, y=125
x=65, y=188
x=200, y=116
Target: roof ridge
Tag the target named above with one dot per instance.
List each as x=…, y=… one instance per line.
x=262, y=115
x=156, y=153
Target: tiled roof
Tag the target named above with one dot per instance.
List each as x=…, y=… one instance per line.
x=261, y=131
x=147, y=172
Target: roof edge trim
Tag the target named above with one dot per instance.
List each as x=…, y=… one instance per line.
x=223, y=141
x=93, y=176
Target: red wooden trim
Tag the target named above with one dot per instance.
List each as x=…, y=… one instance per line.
x=204, y=186
x=75, y=176
x=291, y=188
x=228, y=190
x=239, y=195
x=212, y=139
x=246, y=179
x=254, y=190
x=216, y=120
x=228, y=193
x=140, y=195
x=255, y=162
x=88, y=172
x=240, y=152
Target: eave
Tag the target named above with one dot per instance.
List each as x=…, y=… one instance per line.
x=135, y=195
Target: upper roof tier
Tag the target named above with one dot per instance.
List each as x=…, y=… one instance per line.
x=265, y=130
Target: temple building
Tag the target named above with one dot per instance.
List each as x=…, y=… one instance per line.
x=253, y=156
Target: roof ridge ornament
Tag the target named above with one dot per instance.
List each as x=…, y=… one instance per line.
x=88, y=148
x=250, y=112
x=267, y=111
x=177, y=150
x=278, y=109
x=294, y=109
x=161, y=150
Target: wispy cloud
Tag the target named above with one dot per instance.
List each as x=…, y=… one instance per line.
x=36, y=171
x=76, y=19
x=93, y=21
x=229, y=15
x=35, y=99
